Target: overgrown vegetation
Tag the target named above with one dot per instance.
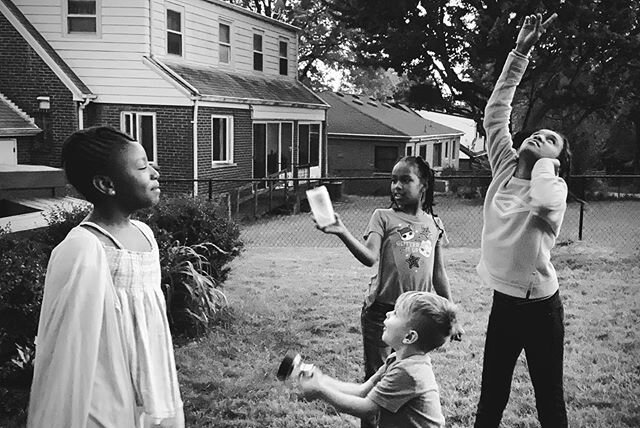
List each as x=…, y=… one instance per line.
x=195, y=246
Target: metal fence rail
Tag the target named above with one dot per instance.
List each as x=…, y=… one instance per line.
x=603, y=210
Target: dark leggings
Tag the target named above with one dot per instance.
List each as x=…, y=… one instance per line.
x=538, y=328
x=375, y=350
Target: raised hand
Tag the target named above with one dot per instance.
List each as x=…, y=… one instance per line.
x=532, y=29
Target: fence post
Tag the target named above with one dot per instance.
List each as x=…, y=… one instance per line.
x=580, y=223
x=270, y=183
x=254, y=185
x=210, y=189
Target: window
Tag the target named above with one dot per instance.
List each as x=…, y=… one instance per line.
x=271, y=148
x=284, y=58
x=142, y=128
x=409, y=151
x=224, y=44
x=437, y=154
x=385, y=158
x=82, y=16
x=174, y=32
x=221, y=139
x=257, y=52
x=309, y=144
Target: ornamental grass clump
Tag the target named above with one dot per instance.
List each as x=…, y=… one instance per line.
x=194, y=300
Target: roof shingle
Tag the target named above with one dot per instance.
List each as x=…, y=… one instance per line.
x=361, y=115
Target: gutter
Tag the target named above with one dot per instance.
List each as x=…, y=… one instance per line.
x=81, y=106
x=195, y=145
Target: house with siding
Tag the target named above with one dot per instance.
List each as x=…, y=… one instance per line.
x=208, y=88
x=366, y=137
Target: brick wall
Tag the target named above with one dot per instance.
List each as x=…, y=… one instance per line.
x=242, y=167
x=23, y=77
x=174, y=138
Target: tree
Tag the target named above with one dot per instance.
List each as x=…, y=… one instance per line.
x=326, y=48
x=582, y=70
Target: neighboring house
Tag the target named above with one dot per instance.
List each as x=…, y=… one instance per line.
x=366, y=137
x=472, y=153
x=209, y=89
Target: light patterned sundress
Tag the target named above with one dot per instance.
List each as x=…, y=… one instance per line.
x=104, y=354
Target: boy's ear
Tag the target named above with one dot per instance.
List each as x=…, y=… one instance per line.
x=104, y=184
x=410, y=338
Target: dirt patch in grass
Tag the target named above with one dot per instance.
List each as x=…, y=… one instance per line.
x=308, y=300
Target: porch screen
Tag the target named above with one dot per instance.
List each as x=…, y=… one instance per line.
x=271, y=148
x=437, y=154
x=309, y=141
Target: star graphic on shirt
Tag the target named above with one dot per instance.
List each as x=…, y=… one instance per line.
x=413, y=261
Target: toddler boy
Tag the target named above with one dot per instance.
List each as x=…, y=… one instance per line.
x=404, y=392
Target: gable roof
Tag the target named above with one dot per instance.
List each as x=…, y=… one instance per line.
x=218, y=85
x=361, y=115
x=14, y=122
x=45, y=50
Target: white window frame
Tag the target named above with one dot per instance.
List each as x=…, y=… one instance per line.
x=285, y=57
x=137, y=115
x=180, y=10
x=66, y=15
x=222, y=44
x=254, y=51
x=230, y=140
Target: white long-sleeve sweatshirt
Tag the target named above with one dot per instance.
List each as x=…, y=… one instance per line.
x=522, y=218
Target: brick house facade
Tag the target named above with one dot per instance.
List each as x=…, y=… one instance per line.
x=203, y=108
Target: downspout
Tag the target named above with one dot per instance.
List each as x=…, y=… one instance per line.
x=195, y=145
x=81, y=107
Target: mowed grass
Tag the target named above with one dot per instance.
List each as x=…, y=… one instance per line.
x=308, y=300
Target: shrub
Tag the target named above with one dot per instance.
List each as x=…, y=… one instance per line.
x=193, y=221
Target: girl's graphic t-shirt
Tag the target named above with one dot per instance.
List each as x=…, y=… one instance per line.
x=406, y=254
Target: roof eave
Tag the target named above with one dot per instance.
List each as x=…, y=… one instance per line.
x=259, y=101
x=19, y=132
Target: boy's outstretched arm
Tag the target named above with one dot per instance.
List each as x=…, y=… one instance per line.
x=344, y=396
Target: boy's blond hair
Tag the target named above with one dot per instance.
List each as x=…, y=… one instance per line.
x=431, y=316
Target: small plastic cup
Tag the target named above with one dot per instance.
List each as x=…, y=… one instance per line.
x=321, y=206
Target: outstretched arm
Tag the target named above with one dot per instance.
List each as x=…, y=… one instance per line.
x=346, y=397
x=498, y=109
x=532, y=29
x=366, y=253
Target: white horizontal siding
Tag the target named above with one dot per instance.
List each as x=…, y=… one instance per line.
x=200, y=33
x=111, y=62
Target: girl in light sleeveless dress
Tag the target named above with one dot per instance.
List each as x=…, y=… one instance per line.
x=104, y=354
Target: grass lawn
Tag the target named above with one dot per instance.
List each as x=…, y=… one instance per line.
x=308, y=300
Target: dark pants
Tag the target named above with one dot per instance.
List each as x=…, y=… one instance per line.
x=375, y=350
x=538, y=328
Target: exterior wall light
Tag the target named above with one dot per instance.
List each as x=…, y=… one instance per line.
x=44, y=103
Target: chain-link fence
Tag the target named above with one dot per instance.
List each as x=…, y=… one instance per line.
x=604, y=211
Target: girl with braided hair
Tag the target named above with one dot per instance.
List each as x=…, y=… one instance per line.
x=104, y=353
x=405, y=240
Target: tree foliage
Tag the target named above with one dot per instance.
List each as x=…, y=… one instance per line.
x=586, y=67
